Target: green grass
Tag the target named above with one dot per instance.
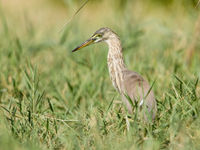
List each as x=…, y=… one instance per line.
x=51, y=98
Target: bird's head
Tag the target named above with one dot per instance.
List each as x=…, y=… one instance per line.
x=103, y=34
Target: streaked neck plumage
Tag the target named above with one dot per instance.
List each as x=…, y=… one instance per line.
x=115, y=61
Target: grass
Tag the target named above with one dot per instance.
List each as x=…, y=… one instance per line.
x=53, y=99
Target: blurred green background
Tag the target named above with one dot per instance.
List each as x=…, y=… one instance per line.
x=53, y=99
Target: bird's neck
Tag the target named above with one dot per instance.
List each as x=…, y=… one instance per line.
x=116, y=62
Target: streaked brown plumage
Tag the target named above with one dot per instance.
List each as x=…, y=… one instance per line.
x=127, y=83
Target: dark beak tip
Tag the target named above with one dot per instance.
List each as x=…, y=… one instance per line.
x=74, y=50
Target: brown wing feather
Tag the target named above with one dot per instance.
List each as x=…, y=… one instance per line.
x=137, y=89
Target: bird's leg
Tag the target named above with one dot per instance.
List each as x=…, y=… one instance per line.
x=127, y=123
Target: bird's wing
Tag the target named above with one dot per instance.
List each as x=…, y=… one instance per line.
x=138, y=89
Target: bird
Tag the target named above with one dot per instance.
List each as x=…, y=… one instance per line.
x=133, y=88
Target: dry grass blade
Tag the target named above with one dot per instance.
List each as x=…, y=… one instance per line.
x=74, y=15
x=191, y=49
x=198, y=4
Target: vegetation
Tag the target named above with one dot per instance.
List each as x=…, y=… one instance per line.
x=51, y=98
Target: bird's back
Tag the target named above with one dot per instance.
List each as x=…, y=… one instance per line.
x=138, y=90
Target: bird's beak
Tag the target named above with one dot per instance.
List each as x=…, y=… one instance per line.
x=86, y=43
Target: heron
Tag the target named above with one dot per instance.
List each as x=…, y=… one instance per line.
x=129, y=84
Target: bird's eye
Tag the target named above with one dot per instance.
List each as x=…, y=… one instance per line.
x=98, y=35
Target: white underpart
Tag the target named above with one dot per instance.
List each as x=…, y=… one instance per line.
x=141, y=102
